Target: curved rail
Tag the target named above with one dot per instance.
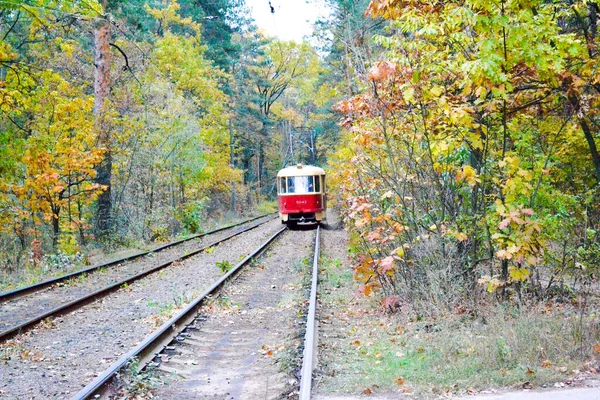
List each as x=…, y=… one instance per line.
x=5, y=296
x=310, y=338
x=155, y=342
x=80, y=302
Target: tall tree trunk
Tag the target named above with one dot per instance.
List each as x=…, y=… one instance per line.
x=232, y=162
x=55, y=226
x=589, y=136
x=101, y=90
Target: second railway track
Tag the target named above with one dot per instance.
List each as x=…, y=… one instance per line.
x=58, y=357
x=64, y=294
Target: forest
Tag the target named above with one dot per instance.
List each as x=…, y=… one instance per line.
x=460, y=137
x=470, y=155
x=132, y=122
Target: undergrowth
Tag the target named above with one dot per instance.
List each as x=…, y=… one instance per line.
x=503, y=345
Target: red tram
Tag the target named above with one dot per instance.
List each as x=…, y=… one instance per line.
x=301, y=193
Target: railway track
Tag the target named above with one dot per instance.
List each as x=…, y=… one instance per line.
x=23, y=308
x=196, y=345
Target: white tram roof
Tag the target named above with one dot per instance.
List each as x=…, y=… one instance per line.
x=301, y=170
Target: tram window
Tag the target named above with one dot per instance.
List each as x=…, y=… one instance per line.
x=317, y=184
x=301, y=184
x=291, y=187
x=282, y=185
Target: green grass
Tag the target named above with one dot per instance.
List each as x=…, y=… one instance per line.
x=461, y=358
x=333, y=274
x=504, y=347
x=266, y=207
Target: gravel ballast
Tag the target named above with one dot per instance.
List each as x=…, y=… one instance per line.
x=13, y=312
x=246, y=343
x=58, y=357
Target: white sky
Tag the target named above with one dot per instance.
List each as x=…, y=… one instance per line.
x=292, y=19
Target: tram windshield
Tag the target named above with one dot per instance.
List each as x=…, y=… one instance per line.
x=300, y=184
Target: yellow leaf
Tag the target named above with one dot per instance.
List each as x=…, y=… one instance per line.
x=518, y=274
x=468, y=174
x=399, y=252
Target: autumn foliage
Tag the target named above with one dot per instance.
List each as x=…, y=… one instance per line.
x=164, y=128
x=470, y=160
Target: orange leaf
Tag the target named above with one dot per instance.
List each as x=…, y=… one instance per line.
x=400, y=381
x=365, y=289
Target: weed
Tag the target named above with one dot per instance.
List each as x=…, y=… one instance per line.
x=63, y=261
x=139, y=382
x=224, y=266
x=166, y=309
x=184, y=299
x=458, y=354
x=300, y=265
x=102, y=271
x=76, y=281
x=163, y=308
x=221, y=302
x=225, y=302
x=333, y=274
x=210, y=250
x=503, y=353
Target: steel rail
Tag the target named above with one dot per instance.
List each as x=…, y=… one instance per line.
x=310, y=338
x=153, y=344
x=5, y=296
x=80, y=302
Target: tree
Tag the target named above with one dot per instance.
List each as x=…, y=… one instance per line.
x=458, y=151
x=102, y=62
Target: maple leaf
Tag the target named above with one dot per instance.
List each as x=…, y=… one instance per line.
x=387, y=264
x=518, y=274
x=382, y=70
x=365, y=289
x=373, y=236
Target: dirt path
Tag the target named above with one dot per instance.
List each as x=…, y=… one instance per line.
x=245, y=345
